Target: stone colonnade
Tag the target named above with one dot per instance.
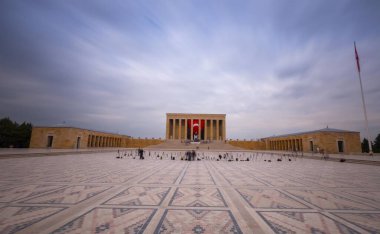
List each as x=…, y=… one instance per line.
x=103, y=141
x=286, y=144
x=182, y=126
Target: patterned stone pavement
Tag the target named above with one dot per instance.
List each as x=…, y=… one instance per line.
x=97, y=193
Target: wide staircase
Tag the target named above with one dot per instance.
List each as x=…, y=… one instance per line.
x=176, y=144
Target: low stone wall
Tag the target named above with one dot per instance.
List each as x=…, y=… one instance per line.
x=251, y=145
x=141, y=143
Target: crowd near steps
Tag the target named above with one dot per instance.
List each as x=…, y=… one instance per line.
x=188, y=145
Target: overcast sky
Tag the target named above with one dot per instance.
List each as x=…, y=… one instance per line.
x=273, y=67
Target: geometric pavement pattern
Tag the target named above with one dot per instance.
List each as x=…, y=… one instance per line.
x=68, y=195
x=197, y=221
x=269, y=198
x=15, y=193
x=303, y=222
x=368, y=221
x=109, y=220
x=140, y=196
x=327, y=200
x=97, y=193
x=197, y=197
x=14, y=219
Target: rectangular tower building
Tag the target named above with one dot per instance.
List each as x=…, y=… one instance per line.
x=195, y=127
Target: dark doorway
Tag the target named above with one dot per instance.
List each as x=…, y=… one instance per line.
x=78, y=142
x=49, y=142
x=340, y=146
x=311, y=146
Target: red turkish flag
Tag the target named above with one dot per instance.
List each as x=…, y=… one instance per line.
x=357, y=58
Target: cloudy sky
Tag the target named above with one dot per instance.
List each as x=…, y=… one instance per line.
x=273, y=67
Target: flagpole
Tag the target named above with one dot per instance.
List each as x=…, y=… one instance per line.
x=363, y=101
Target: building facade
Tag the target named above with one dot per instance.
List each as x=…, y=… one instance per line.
x=195, y=127
x=329, y=140
x=78, y=138
x=74, y=138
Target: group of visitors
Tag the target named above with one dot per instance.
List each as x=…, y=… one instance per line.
x=194, y=155
x=190, y=155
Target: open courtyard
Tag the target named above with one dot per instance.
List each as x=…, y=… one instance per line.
x=98, y=193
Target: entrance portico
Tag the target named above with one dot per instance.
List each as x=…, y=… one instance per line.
x=195, y=127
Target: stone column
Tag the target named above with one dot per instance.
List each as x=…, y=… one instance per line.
x=206, y=129
x=217, y=130
x=173, y=131
x=180, y=129
x=191, y=130
x=224, y=129
x=186, y=129
x=167, y=128
x=212, y=129
x=199, y=129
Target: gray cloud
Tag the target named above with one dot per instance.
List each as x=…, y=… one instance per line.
x=272, y=67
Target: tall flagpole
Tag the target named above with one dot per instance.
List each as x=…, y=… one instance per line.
x=363, y=101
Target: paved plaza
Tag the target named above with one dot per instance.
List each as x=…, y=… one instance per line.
x=97, y=193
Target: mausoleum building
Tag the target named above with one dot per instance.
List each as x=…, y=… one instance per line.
x=195, y=127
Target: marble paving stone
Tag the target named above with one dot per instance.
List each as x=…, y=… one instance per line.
x=121, y=178
x=198, y=197
x=195, y=179
x=367, y=221
x=7, y=185
x=243, y=181
x=197, y=221
x=14, y=218
x=282, y=182
x=69, y=195
x=109, y=220
x=269, y=198
x=367, y=194
x=328, y=182
x=140, y=196
x=160, y=179
x=326, y=200
x=102, y=194
x=15, y=193
x=304, y=222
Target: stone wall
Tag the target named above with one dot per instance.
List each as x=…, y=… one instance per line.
x=141, y=143
x=251, y=145
x=74, y=138
x=315, y=141
x=77, y=138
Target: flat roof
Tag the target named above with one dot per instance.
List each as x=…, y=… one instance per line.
x=195, y=114
x=81, y=129
x=315, y=131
